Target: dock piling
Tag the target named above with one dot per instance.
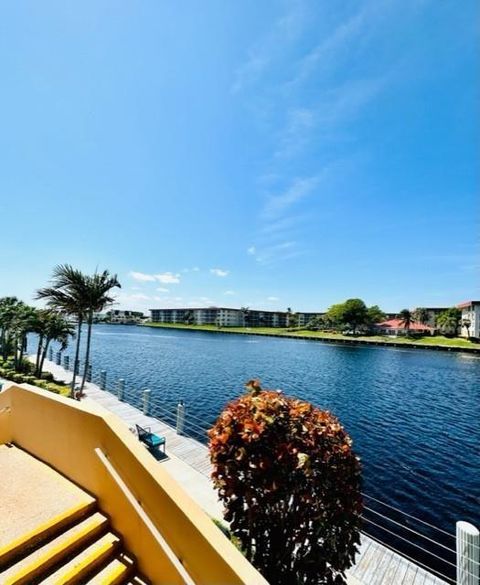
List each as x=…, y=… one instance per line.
x=146, y=401
x=103, y=379
x=180, y=417
x=121, y=388
x=468, y=554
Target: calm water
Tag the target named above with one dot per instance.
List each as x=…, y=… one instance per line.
x=413, y=415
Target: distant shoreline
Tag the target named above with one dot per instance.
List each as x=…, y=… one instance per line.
x=325, y=338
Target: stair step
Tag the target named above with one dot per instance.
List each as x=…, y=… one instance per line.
x=81, y=567
x=44, y=558
x=26, y=542
x=115, y=573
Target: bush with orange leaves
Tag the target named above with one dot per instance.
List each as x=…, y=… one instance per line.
x=290, y=483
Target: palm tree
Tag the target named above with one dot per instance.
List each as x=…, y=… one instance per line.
x=449, y=320
x=421, y=315
x=68, y=294
x=98, y=287
x=23, y=322
x=56, y=328
x=406, y=319
x=8, y=308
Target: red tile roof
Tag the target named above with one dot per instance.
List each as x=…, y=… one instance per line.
x=467, y=304
x=398, y=324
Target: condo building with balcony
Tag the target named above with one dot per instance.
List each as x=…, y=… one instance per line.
x=470, y=323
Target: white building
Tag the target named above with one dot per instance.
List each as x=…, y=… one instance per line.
x=124, y=317
x=470, y=324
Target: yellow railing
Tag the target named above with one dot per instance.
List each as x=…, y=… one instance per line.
x=69, y=436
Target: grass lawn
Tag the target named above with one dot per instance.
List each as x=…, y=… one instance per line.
x=435, y=340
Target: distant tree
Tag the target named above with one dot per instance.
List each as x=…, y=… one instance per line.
x=292, y=319
x=246, y=315
x=421, y=315
x=335, y=315
x=375, y=315
x=290, y=483
x=467, y=324
x=315, y=323
x=355, y=313
x=406, y=319
x=449, y=321
x=188, y=318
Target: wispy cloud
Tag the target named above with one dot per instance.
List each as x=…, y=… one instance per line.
x=219, y=272
x=300, y=121
x=252, y=250
x=284, y=31
x=277, y=205
x=272, y=299
x=162, y=289
x=331, y=48
x=229, y=292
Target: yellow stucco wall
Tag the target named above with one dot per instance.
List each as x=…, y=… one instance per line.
x=64, y=434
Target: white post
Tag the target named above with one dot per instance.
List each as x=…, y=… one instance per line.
x=146, y=401
x=468, y=557
x=180, y=417
x=121, y=388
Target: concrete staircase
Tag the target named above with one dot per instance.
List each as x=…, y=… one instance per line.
x=71, y=544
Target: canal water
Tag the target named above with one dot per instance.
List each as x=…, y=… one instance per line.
x=413, y=414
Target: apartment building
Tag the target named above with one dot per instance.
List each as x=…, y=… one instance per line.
x=470, y=324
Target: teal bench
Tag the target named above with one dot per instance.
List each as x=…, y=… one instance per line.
x=151, y=440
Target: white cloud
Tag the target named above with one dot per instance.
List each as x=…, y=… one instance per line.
x=219, y=272
x=161, y=289
x=165, y=277
x=272, y=299
x=196, y=269
x=252, y=250
x=168, y=278
x=229, y=292
x=142, y=277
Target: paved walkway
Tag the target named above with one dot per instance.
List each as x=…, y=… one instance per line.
x=189, y=464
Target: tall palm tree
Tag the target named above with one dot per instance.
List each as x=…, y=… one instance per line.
x=406, y=319
x=68, y=294
x=98, y=287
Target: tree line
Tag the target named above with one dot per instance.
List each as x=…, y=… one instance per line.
x=355, y=316
x=72, y=298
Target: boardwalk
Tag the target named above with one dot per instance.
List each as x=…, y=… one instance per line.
x=376, y=564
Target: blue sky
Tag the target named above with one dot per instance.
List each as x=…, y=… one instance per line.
x=268, y=154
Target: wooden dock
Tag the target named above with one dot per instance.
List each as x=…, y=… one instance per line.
x=375, y=565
